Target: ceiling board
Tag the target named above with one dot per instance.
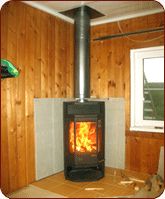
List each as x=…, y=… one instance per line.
x=113, y=10
x=60, y=6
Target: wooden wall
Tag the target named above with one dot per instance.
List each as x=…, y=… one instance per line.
x=110, y=77
x=41, y=47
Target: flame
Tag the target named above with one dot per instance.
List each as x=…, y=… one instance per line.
x=85, y=136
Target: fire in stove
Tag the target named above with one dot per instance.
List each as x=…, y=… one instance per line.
x=85, y=137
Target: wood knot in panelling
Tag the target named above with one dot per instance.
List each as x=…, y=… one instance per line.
x=59, y=75
x=20, y=137
x=11, y=30
x=44, y=75
x=22, y=33
x=57, y=85
x=97, y=60
x=19, y=69
x=109, y=53
x=136, y=139
x=112, y=83
x=98, y=76
x=123, y=86
x=18, y=102
x=35, y=31
x=28, y=115
x=92, y=91
x=40, y=60
x=118, y=63
x=63, y=93
x=18, y=125
x=13, y=131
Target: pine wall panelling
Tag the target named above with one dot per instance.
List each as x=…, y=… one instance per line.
x=143, y=151
x=40, y=46
x=4, y=136
x=110, y=77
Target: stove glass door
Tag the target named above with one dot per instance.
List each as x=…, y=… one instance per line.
x=83, y=136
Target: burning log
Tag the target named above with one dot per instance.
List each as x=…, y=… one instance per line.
x=85, y=136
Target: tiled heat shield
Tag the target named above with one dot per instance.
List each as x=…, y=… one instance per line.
x=82, y=16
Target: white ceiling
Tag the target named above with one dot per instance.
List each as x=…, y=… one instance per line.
x=113, y=10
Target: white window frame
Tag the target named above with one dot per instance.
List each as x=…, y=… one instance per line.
x=137, y=121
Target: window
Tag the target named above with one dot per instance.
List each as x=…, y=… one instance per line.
x=147, y=89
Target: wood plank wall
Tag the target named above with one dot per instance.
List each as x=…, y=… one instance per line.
x=110, y=77
x=41, y=47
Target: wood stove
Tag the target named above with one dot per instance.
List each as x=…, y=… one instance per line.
x=84, y=140
x=83, y=120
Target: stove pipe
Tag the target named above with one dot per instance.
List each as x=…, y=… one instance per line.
x=82, y=53
x=82, y=16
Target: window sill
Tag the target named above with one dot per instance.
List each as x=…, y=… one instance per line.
x=146, y=129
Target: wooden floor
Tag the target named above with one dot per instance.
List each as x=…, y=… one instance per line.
x=109, y=185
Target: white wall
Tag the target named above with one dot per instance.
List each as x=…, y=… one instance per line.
x=48, y=113
x=115, y=133
x=48, y=136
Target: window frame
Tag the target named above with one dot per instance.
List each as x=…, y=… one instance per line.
x=137, y=121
